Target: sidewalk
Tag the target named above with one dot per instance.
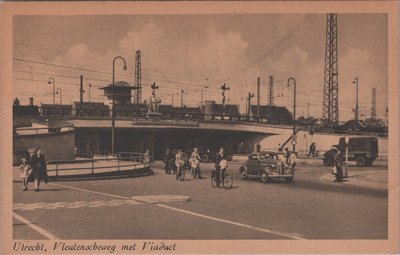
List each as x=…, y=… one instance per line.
x=377, y=180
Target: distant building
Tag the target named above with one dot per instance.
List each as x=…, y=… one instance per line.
x=271, y=114
x=214, y=111
x=58, y=109
x=186, y=112
x=121, y=91
x=25, y=110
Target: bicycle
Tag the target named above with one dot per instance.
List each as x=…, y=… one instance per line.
x=227, y=181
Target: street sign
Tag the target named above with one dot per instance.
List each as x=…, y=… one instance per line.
x=294, y=137
x=294, y=142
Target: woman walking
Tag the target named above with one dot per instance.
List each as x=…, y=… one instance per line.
x=39, y=168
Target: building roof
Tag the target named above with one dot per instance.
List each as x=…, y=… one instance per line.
x=121, y=84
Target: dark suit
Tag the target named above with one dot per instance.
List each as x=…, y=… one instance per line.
x=39, y=167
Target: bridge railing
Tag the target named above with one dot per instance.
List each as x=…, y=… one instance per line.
x=92, y=166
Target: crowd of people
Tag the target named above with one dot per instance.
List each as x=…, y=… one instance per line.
x=176, y=160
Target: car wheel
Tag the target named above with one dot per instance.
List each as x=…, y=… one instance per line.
x=361, y=161
x=327, y=161
x=242, y=172
x=204, y=158
x=264, y=176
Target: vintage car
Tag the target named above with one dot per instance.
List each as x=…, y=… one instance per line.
x=266, y=165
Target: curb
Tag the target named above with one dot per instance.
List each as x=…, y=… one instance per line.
x=355, y=183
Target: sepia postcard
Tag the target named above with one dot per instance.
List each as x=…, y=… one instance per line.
x=199, y=127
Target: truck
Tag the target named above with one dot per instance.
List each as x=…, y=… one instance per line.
x=362, y=149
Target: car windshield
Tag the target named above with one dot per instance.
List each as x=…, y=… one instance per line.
x=265, y=156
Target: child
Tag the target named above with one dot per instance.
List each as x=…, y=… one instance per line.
x=25, y=171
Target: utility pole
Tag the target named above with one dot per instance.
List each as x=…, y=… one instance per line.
x=331, y=84
x=172, y=99
x=81, y=91
x=308, y=110
x=223, y=88
x=373, y=104
x=90, y=85
x=249, y=97
x=258, y=99
x=356, y=109
x=271, y=90
x=138, y=78
x=182, y=97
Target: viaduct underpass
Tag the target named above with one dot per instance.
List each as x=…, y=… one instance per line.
x=94, y=134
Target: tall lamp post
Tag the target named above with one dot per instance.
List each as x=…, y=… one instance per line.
x=59, y=92
x=356, y=110
x=294, y=111
x=113, y=101
x=52, y=81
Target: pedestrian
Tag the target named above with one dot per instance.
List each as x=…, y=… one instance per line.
x=292, y=161
x=179, y=162
x=146, y=157
x=287, y=155
x=39, y=168
x=166, y=160
x=26, y=170
x=337, y=161
x=218, y=173
x=312, y=150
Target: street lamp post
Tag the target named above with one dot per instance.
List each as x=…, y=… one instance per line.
x=294, y=110
x=59, y=92
x=52, y=81
x=113, y=101
x=356, y=110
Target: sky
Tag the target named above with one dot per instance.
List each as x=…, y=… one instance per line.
x=202, y=52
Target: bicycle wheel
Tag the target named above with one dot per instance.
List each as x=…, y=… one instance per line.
x=228, y=182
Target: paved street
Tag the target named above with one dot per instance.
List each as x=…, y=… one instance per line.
x=312, y=207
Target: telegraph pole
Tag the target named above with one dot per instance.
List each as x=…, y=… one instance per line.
x=258, y=99
x=182, y=97
x=81, y=91
x=356, y=109
x=271, y=90
x=373, y=104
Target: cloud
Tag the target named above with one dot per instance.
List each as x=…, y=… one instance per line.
x=147, y=38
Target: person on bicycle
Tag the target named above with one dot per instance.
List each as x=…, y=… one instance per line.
x=195, y=162
x=218, y=173
x=179, y=162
